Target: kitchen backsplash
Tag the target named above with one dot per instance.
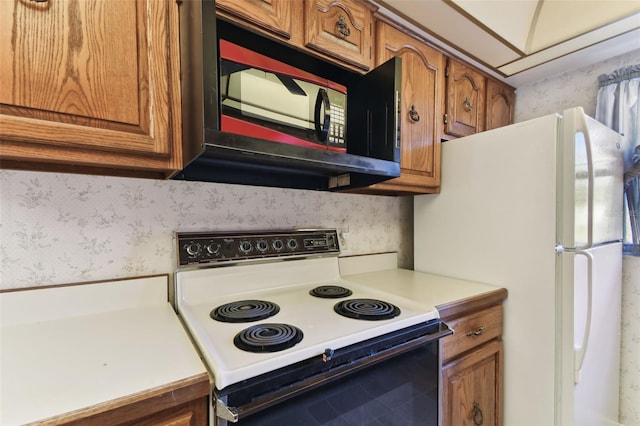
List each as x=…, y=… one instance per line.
x=62, y=228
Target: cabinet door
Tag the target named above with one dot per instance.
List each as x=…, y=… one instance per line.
x=342, y=30
x=274, y=16
x=472, y=388
x=421, y=111
x=90, y=83
x=500, y=105
x=464, y=113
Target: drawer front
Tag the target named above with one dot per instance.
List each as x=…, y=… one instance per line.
x=471, y=330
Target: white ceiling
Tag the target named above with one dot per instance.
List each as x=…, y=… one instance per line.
x=521, y=41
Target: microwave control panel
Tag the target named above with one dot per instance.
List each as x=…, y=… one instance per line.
x=336, y=135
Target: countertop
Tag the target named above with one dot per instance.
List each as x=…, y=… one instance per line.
x=444, y=294
x=69, y=350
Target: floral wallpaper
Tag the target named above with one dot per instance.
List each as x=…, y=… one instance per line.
x=62, y=228
x=580, y=88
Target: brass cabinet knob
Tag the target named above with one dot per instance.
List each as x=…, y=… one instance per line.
x=343, y=27
x=467, y=104
x=413, y=114
x=478, y=418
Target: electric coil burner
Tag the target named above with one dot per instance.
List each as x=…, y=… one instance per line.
x=366, y=309
x=245, y=311
x=261, y=308
x=268, y=337
x=330, y=292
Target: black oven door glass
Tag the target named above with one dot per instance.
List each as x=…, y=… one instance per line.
x=400, y=391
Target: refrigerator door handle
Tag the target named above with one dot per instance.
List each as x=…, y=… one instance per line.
x=582, y=127
x=580, y=351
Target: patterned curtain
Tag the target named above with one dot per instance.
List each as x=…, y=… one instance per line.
x=618, y=106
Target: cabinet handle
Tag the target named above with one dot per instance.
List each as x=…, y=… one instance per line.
x=477, y=332
x=467, y=104
x=343, y=27
x=413, y=114
x=478, y=418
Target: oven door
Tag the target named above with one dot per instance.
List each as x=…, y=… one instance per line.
x=388, y=380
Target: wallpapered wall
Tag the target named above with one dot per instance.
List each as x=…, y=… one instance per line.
x=580, y=88
x=63, y=228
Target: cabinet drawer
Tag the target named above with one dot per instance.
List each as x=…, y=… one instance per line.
x=471, y=330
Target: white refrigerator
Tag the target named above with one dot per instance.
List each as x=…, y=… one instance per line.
x=536, y=208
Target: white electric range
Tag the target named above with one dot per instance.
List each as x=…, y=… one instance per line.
x=272, y=317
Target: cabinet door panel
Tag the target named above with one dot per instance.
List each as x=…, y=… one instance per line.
x=59, y=54
x=83, y=76
x=339, y=29
x=472, y=388
x=500, y=105
x=421, y=100
x=465, y=100
x=274, y=16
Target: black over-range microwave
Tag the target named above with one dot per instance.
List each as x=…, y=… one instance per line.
x=257, y=112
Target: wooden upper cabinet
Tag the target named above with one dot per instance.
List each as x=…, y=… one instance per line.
x=340, y=29
x=421, y=102
x=90, y=84
x=501, y=101
x=465, y=105
x=276, y=17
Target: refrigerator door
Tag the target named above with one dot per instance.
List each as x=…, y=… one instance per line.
x=590, y=360
x=590, y=185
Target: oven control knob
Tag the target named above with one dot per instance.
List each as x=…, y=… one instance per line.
x=193, y=249
x=262, y=246
x=213, y=248
x=292, y=244
x=245, y=247
x=277, y=245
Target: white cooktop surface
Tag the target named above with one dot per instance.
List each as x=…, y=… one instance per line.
x=287, y=284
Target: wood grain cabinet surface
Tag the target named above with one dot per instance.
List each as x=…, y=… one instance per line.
x=472, y=363
x=342, y=30
x=93, y=85
x=273, y=17
x=182, y=403
x=465, y=105
x=421, y=102
x=501, y=102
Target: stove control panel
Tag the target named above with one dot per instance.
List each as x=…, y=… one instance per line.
x=211, y=248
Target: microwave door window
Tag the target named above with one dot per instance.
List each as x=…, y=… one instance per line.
x=268, y=99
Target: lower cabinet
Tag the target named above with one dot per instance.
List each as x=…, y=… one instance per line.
x=183, y=403
x=472, y=362
x=193, y=413
x=471, y=388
